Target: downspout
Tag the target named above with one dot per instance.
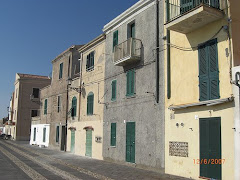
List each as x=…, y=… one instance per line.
x=157, y=51
x=80, y=93
x=168, y=54
x=66, y=125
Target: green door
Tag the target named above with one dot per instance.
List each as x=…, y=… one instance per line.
x=72, y=141
x=210, y=147
x=130, y=142
x=89, y=143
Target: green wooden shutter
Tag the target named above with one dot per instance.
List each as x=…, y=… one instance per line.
x=113, y=134
x=87, y=63
x=208, y=71
x=60, y=70
x=90, y=103
x=34, y=134
x=92, y=60
x=115, y=39
x=74, y=106
x=57, y=134
x=44, y=134
x=213, y=70
x=203, y=73
x=114, y=89
x=45, y=106
x=88, y=143
x=130, y=83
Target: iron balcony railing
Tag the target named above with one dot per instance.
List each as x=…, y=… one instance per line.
x=176, y=8
x=127, y=50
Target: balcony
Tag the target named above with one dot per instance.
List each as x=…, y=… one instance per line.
x=185, y=16
x=127, y=52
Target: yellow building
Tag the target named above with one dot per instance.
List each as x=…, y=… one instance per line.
x=199, y=114
x=86, y=97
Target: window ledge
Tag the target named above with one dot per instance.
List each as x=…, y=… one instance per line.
x=113, y=146
x=207, y=103
x=130, y=96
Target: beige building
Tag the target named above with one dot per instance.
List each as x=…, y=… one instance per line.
x=86, y=97
x=49, y=129
x=199, y=114
x=26, y=104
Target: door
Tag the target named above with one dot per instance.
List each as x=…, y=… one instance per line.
x=63, y=139
x=210, y=147
x=72, y=141
x=130, y=142
x=89, y=143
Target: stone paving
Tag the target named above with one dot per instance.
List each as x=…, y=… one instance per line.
x=21, y=161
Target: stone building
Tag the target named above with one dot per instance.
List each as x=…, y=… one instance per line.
x=49, y=128
x=86, y=98
x=133, y=127
x=27, y=88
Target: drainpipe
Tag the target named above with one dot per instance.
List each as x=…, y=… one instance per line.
x=168, y=54
x=66, y=125
x=157, y=53
x=80, y=93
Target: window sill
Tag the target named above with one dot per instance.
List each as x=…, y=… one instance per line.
x=89, y=70
x=130, y=96
x=112, y=146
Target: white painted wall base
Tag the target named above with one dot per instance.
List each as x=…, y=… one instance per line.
x=39, y=135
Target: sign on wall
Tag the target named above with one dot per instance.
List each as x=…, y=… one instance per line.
x=178, y=149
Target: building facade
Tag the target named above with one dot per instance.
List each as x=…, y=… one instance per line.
x=25, y=106
x=49, y=128
x=133, y=127
x=86, y=98
x=199, y=114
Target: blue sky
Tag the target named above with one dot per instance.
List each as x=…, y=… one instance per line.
x=34, y=32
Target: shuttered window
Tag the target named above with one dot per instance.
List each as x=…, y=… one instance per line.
x=90, y=100
x=44, y=134
x=59, y=104
x=90, y=61
x=115, y=39
x=45, y=106
x=61, y=71
x=57, y=134
x=130, y=82
x=113, y=134
x=114, y=90
x=208, y=71
x=74, y=106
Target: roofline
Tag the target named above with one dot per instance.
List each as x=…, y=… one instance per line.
x=130, y=11
x=92, y=43
x=65, y=52
x=31, y=75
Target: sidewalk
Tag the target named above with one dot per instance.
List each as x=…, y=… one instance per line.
x=98, y=168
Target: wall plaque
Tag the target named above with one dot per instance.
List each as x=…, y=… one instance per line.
x=178, y=149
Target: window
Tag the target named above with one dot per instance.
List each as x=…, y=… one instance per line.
x=130, y=82
x=131, y=30
x=44, y=134
x=45, y=106
x=115, y=39
x=114, y=90
x=35, y=93
x=90, y=61
x=34, y=134
x=61, y=71
x=113, y=134
x=59, y=104
x=90, y=100
x=74, y=106
x=208, y=71
x=34, y=113
x=57, y=134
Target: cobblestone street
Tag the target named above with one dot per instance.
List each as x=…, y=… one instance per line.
x=21, y=161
